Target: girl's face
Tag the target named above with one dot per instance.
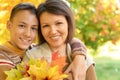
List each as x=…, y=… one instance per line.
x=54, y=29
x=23, y=29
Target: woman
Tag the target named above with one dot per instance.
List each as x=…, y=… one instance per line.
x=23, y=26
x=55, y=33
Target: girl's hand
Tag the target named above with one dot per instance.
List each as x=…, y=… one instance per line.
x=78, y=68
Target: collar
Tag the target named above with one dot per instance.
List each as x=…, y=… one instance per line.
x=14, y=49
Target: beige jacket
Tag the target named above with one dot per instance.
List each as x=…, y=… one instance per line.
x=44, y=51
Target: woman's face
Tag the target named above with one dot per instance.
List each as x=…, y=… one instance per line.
x=23, y=29
x=54, y=29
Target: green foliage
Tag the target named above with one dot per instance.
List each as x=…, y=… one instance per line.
x=96, y=21
x=15, y=74
x=107, y=68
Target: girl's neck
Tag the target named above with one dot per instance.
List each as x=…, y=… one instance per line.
x=15, y=49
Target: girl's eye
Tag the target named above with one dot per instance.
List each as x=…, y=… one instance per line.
x=34, y=28
x=22, y=26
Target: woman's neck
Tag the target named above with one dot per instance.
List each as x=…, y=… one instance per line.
x=61, y=50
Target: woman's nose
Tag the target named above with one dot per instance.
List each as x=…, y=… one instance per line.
x=53, y=29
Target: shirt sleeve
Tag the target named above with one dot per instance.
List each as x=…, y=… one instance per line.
x=5, y=65
x=78, y=48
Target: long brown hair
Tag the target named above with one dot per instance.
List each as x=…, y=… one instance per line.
x=57, y=7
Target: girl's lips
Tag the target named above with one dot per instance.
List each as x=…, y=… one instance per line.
x=26, y=41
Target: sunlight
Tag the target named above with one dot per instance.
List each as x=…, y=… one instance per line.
x=110, y=50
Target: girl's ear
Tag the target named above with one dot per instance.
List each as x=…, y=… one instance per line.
x=9, y=24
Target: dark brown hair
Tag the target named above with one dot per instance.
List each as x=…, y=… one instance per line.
x=23, y=6
x=57, y=7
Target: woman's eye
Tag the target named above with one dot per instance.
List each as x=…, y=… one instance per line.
x=34, y=28
x=44, y=26
x=59, y=23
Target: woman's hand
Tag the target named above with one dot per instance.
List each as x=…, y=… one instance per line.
x=78, y=68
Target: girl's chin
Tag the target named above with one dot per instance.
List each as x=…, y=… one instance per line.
x=24, y=47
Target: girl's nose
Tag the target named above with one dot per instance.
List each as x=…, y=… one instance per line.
x=27, y=33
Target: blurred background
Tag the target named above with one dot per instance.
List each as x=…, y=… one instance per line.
x=97, y=25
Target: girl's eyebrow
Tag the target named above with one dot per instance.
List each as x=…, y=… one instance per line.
x=22, y=22
x=26, y=23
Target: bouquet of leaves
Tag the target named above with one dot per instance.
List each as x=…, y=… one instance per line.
x=39, y=69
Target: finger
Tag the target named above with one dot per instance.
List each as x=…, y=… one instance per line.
x=82, y=74
x=68, y=69
x=75, y=77
x=81, y=77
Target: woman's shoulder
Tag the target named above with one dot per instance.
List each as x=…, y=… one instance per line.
x=40, y=47
x=39, y=51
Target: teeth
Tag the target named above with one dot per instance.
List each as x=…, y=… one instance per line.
x=25, y=41
x=54, y=37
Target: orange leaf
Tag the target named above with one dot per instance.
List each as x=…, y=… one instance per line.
x=58, y=60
